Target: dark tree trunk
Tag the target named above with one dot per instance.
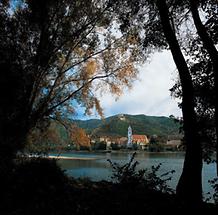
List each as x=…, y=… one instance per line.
x=189, y=188
x=13, y=137
x=14, y=115
x=212, y=51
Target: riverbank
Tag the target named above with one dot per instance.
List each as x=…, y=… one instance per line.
x=73, y=158
x=60, y=157
x=88, y=155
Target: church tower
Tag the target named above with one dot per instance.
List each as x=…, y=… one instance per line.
x=129, y=143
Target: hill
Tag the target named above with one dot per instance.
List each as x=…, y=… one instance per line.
x=141, y=124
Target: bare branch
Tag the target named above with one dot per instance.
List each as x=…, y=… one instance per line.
x=80, y=88
x=92, y=55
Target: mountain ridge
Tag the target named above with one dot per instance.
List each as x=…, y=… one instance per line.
x=117, y=125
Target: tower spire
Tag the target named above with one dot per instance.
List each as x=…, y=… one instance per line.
x=129, y=143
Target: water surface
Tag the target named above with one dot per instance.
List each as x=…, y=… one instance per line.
x=100, y=168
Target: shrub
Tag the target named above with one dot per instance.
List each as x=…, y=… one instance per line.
x=158, y=182
x=39, y=185
x=115, y=146
x=128, y=175
x=214, y=184
x=99, y=146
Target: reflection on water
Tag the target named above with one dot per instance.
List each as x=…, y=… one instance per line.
x=100, y=168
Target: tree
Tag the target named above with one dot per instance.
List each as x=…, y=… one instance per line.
x=55, y=54
x=79, y=138
x=52, y=138
x=204, y=93
x=159, y=22
x=201, y=54
x=172, y=15
x=209, y=45
x=193, y=152
x=189, y=187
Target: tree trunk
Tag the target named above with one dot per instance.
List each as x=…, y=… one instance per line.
x=213, y=53
x=189, y=188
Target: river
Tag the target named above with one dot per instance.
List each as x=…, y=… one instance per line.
x=99, y=168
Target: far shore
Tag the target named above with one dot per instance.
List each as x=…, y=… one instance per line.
x=100, y=153
x=116, y=151
x=72, y=158
x=59, y=155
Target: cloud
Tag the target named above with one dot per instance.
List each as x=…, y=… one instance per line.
x=150, y=95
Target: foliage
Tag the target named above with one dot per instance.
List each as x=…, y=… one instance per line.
x=79, y=138
x=58, y=136
x=158, y=182
x=156, y=143
x=167, y=22
x=53, y=137
x=135, y=146
x=156, y=147
x=202, y=72
x=115, y=146
x=38, y=186
x=99, y=145
x=214, y=184
x=54, y=54
x=57, y=55
x=127, y=175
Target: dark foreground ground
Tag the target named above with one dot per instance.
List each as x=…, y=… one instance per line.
x=40, y=187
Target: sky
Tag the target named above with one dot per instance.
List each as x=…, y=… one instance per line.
x=150, y=94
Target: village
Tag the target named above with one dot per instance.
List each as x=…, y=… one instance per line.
x=135, y=142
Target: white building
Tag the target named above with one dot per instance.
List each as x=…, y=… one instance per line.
x=129, y=142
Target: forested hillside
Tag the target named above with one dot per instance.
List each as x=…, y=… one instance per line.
x=141, y=124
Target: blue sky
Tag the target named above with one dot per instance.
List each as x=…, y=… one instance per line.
x=150, y=94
